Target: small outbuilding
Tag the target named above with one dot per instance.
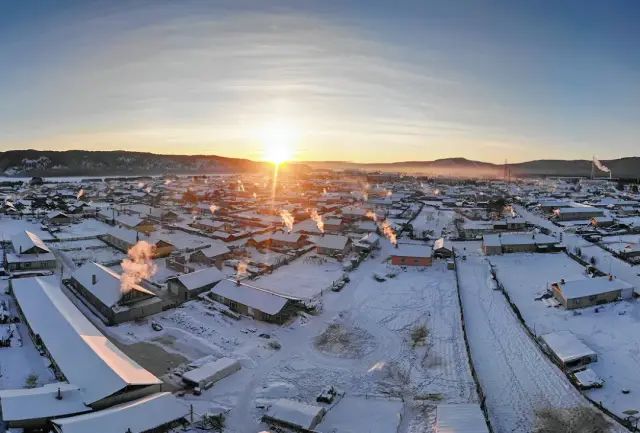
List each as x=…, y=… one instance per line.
x=567, y=350
x=412, y=255
x=211, y=372
x=294, y=414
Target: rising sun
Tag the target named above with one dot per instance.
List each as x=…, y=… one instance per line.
x=279, y=140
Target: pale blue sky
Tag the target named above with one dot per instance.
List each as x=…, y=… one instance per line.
x=356, y=80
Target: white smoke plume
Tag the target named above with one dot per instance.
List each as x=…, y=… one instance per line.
x=317, y=218
x=167, y=182
x=147, y=189
x=213, y=208
x=389, y=233
x=240, y=186
x=255, y=196
x=80, y=194
x=324, y=191
x=140, y=185
x=600, y=166
x=137, y=266
x=287, y=219
x=241, y=269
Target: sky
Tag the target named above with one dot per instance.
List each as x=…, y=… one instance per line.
x=364, y=81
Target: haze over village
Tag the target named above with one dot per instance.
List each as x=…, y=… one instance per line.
x=319, y=217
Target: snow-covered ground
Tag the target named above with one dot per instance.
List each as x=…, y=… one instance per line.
x=22, y=359
x=373, y=361
x=613, y=332
x=516, y=377
x=432, y=222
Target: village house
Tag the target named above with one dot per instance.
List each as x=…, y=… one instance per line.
x=213, y=255
x=188, y=286
x=102, y=288
x=278, y=239
x=58, y=218
x=503, y=243
x=577, y=213
x=253, y=301
x=135, y=222
x=412, y=255
x=333, y=245
x=591, y=291
x=29, y=253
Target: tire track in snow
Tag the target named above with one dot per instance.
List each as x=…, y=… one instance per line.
x=515, y=375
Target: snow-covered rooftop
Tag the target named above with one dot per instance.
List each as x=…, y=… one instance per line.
x=200, y=278
x=592, y=286
x=37, y=403
x=84, y=355
x=136, y=416
x=107, y=287
x=566, y=346
x=250, y=296
x=27, y=242
x=294, y=413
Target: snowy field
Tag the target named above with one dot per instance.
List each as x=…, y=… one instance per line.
x=373, y=360
x=516, y=377
x=613, y=333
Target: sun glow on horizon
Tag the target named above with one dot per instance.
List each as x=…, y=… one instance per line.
x=279, y=140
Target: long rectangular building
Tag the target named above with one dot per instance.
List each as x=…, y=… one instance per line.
x=78, y=350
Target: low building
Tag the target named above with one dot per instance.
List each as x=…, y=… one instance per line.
x=412, y=255
x=102, y=288
x=588, y=292
x=151, y=414
x=253, y=301
x=504, y=243
x=332, y=245
x=577, y=213
x=29, y=253
x=104, y=374
x=211, y=372
x=34, y=407
x=460, y=418
x=567, y=350
x=58, y=218
x=188, y=286
x=294, y=414
x=213, y=255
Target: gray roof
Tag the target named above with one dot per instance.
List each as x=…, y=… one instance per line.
x=251, y=296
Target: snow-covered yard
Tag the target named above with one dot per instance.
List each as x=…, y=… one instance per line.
x=516, y=377
x=613, y=332
x=371, y=358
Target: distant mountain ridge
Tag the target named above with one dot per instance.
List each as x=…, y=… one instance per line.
x=628, y=167
x=117, y=162
x=120, y=162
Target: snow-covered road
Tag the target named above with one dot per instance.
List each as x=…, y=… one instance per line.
x=516, y=377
